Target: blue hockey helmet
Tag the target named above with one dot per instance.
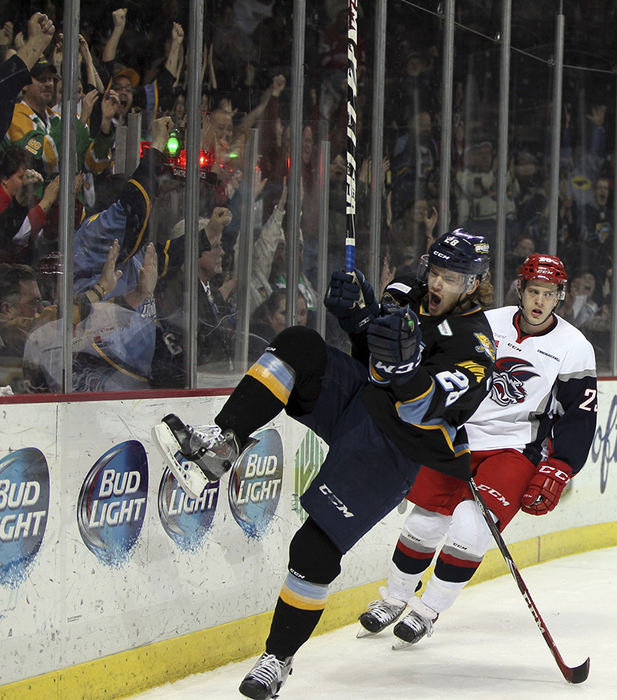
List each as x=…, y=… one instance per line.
x=461, y=251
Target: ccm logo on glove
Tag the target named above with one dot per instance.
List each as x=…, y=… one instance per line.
x=384, y=369
x=557, y=473
x=545, y=487
x=395, y=343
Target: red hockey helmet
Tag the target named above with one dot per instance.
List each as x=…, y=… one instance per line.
x=546, y=268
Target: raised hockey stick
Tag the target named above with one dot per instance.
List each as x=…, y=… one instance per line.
x=576, y=674
x=352, y=93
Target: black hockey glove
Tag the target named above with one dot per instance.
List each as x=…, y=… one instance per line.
x=394, y=299
x=352, y=300
x=419, y=290
x=394, y=342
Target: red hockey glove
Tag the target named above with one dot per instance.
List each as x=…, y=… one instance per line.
x=545, y=487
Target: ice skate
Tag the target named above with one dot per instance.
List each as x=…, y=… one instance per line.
x=266, y=677
x=380, y=614
x=415, y=625
x=195, y=455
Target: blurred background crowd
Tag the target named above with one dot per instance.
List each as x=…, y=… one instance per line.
x=128, y=219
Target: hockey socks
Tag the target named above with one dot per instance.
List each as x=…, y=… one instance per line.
x=261, y=395
x=294, y=362
x=250, y=406
x=298, y=610
x=409, y=562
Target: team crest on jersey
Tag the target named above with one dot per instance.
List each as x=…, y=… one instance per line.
x=444, y=328
x=509, y=377
x=485, y=346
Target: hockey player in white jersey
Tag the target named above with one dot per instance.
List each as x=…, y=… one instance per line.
x=529, y=437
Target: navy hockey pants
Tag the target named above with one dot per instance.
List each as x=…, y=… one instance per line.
x=364, y=475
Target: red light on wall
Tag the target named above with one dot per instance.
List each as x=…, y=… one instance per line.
x=206, y=159
x=181, y=159
x=143, y=147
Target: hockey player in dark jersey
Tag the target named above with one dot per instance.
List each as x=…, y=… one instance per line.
x=529, y=437
x=429, y=354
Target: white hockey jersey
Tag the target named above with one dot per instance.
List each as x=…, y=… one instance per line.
x=543, y=399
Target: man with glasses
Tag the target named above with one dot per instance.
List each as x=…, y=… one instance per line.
x=20, y=305
x=429, y=358
x=124, y=83
x=23, y=311
x=529, y=437
x=20, y=296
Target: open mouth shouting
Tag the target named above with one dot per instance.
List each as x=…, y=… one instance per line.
x=434, y=303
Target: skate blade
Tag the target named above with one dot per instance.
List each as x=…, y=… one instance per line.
x=188, y=475
x=363, y=632
x=401, y=644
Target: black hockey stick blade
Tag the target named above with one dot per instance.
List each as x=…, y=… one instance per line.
x=576, y=674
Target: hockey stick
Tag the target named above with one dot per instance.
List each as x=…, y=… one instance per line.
x=576, y=674
x=352, y=93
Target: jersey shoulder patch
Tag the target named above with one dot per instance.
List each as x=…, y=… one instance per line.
x=485, y=346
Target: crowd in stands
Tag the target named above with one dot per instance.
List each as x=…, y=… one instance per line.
x=129, y=318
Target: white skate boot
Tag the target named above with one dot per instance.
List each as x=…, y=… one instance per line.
x=266, y=677
x=380, y=614
x=415, y=625
x=195, y=455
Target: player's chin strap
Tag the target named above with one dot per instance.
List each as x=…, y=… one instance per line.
x=460, y=304
x=465, y=297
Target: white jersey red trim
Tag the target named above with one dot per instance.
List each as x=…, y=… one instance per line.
x=544, y=388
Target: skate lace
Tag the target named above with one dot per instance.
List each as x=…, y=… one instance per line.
x=384, y=611
x=268, y=670
x=418, y=623
x=211, y=435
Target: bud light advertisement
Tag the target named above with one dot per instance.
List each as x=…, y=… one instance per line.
x=24, y=505
x=186, y=520
x=255, y=484
x=112, y=503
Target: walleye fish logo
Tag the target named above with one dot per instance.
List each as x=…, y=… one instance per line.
x=485, y=346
